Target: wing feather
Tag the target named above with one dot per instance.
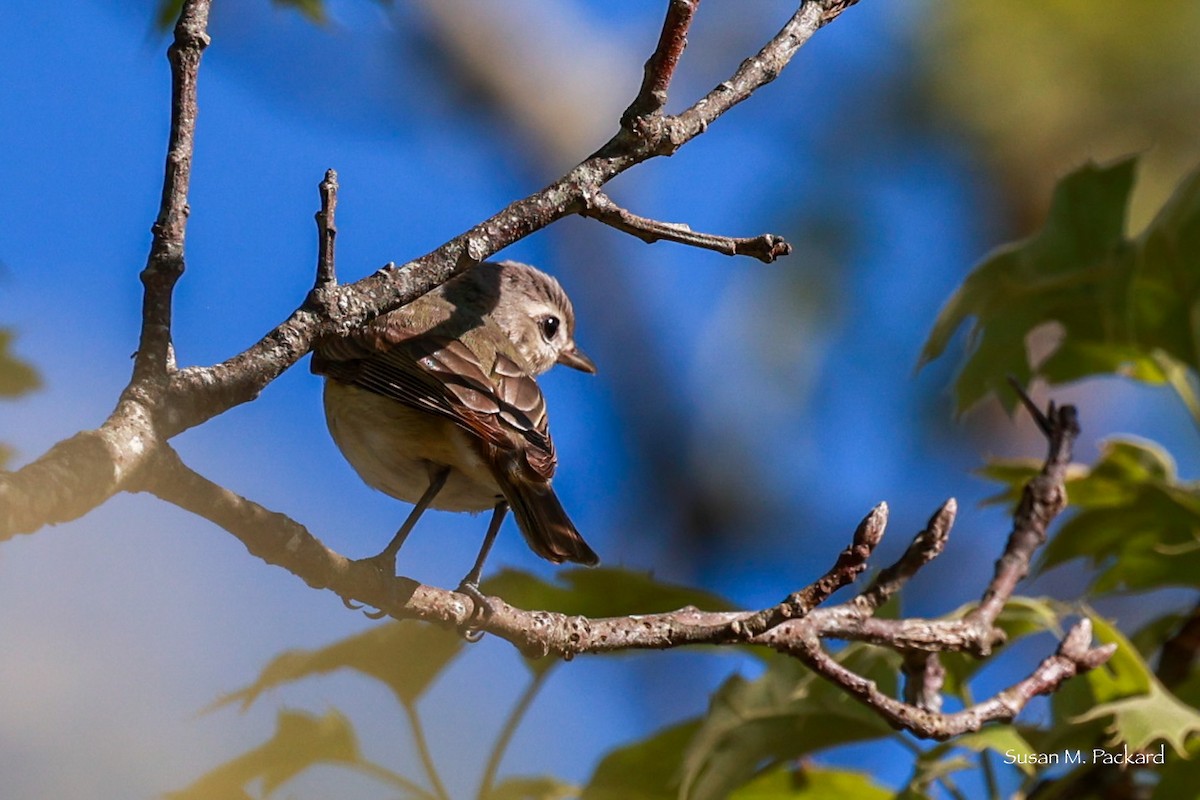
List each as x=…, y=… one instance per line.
x=499, y=403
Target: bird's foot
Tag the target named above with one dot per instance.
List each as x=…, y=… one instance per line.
x=480, y=610
x=385, y=562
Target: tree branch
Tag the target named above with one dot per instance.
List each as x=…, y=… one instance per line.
x=796, y=627
x=327, y=233
x=660, y=67
x=165, y=264
x=766, y=247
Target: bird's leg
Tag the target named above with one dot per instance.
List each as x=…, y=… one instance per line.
x=386, y=559
x=470, y=583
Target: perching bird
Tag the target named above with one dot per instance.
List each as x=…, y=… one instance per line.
x=436, y=404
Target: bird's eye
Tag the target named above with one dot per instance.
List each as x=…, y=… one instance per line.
x=550, y=327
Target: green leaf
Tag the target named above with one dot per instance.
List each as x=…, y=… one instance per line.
x=645, y=770
x=1061, y=274
x=1180, y=776
x=812, y=784
x=1002, y=739
x=16, y=376
x=1131, y=517
x=300, y=741
x=1124, y=306
x=168, y=12
x=1013, y=473
x=929, y=771
x=784, y=714
x=1143, y=711
x=533, y=788
x=1135, y=522
x=313, y=10
x=405, y=655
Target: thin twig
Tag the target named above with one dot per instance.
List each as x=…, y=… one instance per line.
x=1042, y=499
x=1073, y=657
x=926, y=546
x=327, y=233
x=924, y=677
x=165, y=264
x=766, y=247
x=660, y=67
x=850, y=563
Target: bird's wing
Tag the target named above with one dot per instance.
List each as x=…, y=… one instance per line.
x=499, y=403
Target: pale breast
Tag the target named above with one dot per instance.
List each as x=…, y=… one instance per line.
x=393, y=447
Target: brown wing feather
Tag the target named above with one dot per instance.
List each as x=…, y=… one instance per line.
x=502, y=405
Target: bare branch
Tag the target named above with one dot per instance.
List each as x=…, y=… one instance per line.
x=327, y=233
x=660, y=67
x=926, y=546
x=1073, y=657
x=766, y=247
x=796, y=627
x=166, y=264
x=924, y=677
x=851, y=562
x=1042, y=499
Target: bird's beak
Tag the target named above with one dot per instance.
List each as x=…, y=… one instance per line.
x=577, y=359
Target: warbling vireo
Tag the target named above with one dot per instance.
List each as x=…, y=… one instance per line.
x=436, y=404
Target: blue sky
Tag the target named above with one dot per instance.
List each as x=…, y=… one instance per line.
x=796, y=378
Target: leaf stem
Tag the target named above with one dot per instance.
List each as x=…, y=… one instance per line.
x=385, y=775
x=414, y=722
x=510, y=727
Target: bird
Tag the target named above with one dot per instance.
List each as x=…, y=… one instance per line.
x=436, y=404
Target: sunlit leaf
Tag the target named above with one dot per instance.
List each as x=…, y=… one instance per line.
x=784, y=714
x=301, y=741
x=812, y=784
x=532, y=788
x=1142, y=710
x=1126, y=306
x=1130, y=517
x=1002, y=739
x=1136, y=523
x=405, y=655
x=644, y=770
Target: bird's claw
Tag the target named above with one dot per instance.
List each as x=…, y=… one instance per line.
x=481, y=609
x=353, y=606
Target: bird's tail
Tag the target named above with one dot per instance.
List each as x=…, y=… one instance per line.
x=545, y=524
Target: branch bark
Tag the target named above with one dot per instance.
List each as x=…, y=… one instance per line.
x=796, y=627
